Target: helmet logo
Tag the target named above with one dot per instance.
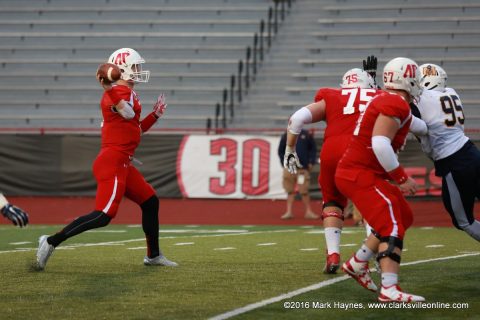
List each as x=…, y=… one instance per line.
x=352, y=78
x=410, y=71
x=429, y=71
x=121, y=58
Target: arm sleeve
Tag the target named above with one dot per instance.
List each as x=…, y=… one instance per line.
x=418, y=127
x=126, y=110
x=148, y=122
x=298, y=119
x=383, y=150
x=281, y=147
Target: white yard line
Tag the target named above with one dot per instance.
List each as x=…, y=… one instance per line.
x=316, y=286
x=183, y=243
x=121, y=242
x=106, y=231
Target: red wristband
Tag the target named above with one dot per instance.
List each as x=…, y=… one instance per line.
x=398, y=175
x=113, y=96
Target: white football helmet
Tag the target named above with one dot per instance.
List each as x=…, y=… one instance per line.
x=402, y=74
x=130, y=63
x=433, y=77
x=357, y=78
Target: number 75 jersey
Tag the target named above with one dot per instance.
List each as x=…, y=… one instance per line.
x=343, y=108
x=443, y=114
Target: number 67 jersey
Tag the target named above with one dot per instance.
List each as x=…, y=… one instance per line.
x=443, y=114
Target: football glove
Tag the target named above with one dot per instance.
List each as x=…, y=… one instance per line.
x=15, y=214
x=370, y=65
x=160, y=106
x=291, y=161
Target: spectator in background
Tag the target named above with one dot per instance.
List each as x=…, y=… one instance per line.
x=307, y=154
x=13, y=213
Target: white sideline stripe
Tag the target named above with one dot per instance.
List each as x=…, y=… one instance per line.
x=121, y=242
x=309, y=249
x=18, y=243
x=137, y=248
x=316, y=286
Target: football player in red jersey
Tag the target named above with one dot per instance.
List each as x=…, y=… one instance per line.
x=362, y=174
x=340, y=109
x=115, y=175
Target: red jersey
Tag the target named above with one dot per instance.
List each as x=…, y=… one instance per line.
x=343, y=106
x=119, y=133
x=359, y=154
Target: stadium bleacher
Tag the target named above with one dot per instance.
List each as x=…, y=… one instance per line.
x=49, y=51
x=323, y=39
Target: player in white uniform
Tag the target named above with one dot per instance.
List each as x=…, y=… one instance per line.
x=456, y=158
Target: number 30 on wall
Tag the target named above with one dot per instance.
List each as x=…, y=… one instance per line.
x=227, y=166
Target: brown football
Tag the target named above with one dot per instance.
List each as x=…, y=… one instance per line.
x=109, y=72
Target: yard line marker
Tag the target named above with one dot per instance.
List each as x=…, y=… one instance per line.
x=18, y=243
x=267, y=244
x=226, y=248
x=183, y=243
x=136, y=248
x=316, y=286
x=349, y=245
x=426, y=228
x=106, y=231
x=322, y=231
x=206, y=231
x=309, y=249
x=435, y=246
x=121, y=242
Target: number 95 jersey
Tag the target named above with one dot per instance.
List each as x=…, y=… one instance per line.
x=443, y=114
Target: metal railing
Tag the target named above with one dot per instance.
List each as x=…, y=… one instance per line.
x=248, y=68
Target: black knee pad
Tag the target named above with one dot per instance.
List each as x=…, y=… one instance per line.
x=392, y=243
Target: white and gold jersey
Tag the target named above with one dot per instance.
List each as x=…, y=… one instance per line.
x=442, y=111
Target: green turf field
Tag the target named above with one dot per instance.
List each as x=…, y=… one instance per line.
x=100, y=275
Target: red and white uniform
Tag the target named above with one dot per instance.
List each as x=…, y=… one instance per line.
x=112, y=169
x=342, y=108
x=361, y=177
